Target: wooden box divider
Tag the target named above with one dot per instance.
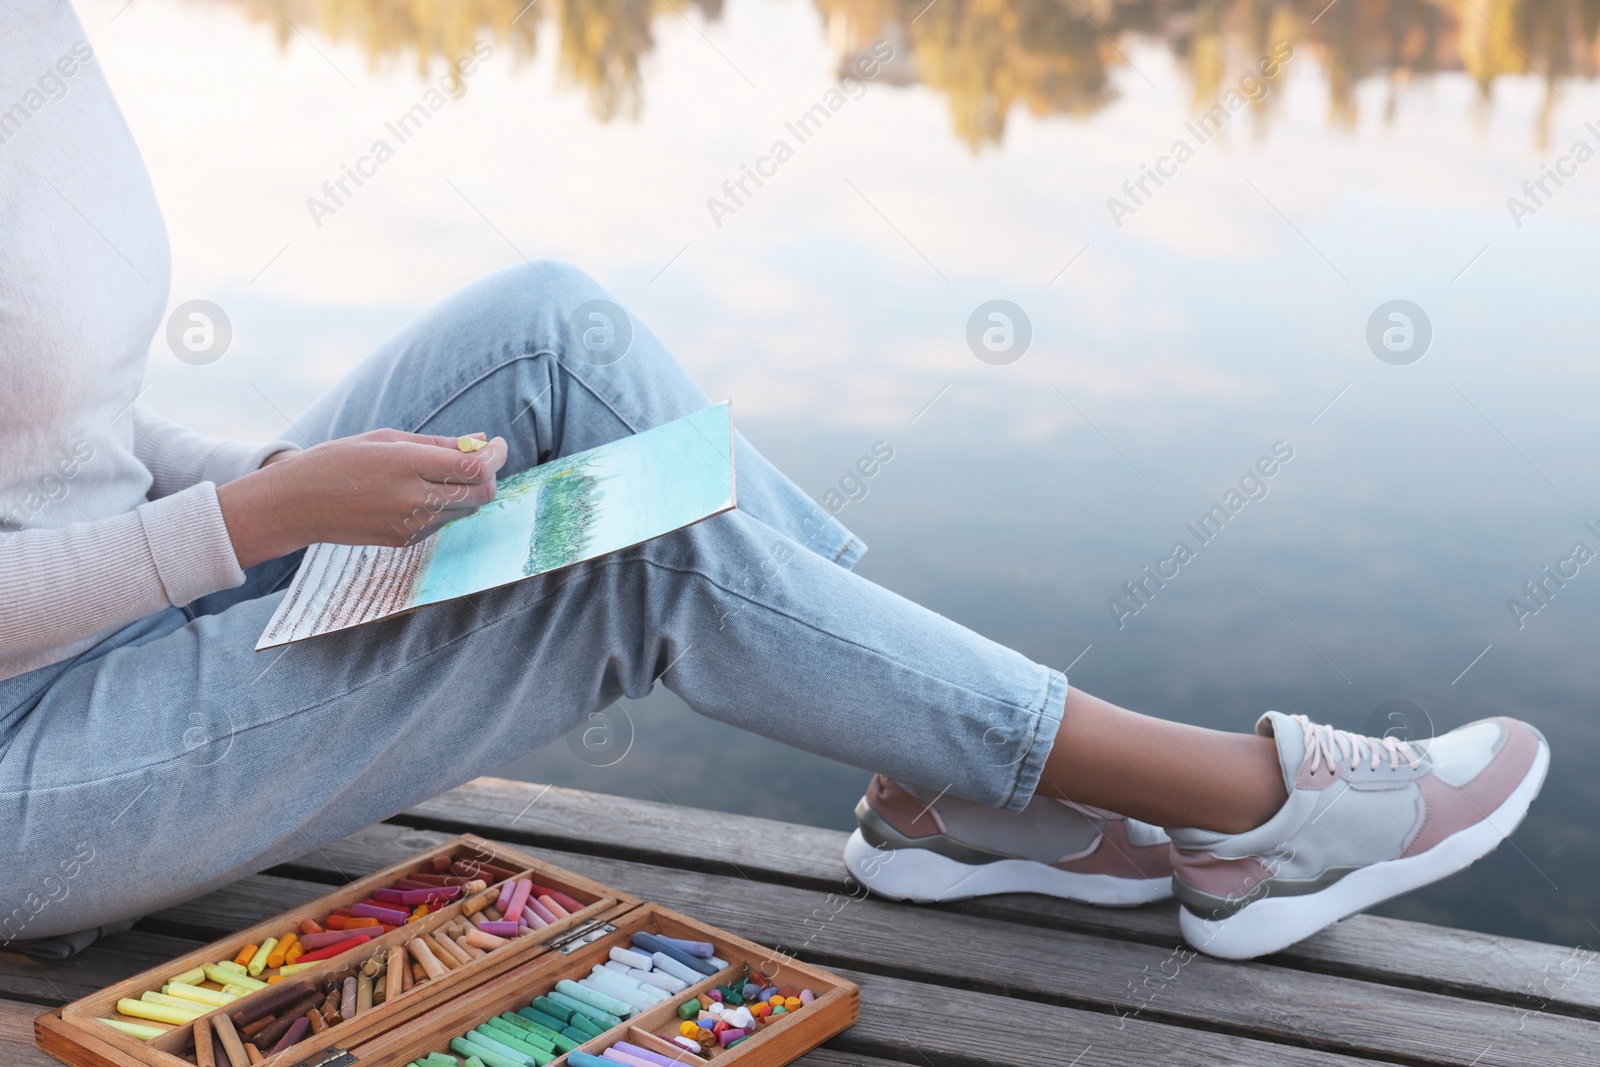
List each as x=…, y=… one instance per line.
x=428, y=1016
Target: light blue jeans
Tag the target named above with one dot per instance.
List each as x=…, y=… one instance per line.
x=172, y=758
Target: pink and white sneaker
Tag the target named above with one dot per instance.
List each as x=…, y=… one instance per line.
x=911, y=846
x=1367, y=819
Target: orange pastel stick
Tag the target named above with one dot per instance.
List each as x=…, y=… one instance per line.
x=245, y=955
x=358, y=924
x=309, y=926
x=280, y=950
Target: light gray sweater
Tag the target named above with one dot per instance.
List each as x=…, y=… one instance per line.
x=108, y=512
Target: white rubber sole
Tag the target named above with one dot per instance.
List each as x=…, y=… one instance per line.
x=927, y=877
x=1274, y=923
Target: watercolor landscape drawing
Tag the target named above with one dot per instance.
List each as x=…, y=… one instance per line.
x=568, y=510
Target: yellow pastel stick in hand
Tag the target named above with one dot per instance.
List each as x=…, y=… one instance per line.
x=471, y=443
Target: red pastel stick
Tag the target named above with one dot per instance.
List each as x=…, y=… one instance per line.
x=333, y=950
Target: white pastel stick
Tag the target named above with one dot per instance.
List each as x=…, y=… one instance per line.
x=631, y=958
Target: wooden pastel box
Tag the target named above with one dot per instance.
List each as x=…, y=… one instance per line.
x=430, y=1013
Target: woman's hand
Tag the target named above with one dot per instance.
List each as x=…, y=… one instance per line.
x=383, y=487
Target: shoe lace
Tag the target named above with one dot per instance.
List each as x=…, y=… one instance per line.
x=1335, y=747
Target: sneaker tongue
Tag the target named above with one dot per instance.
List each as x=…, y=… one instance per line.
x=1291, y=740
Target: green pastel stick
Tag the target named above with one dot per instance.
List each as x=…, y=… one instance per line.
x=544, y=1019
x=516, y=1036
x=563, y=1044
x=515, y=1040
x=521, y=1033
x=475, y=1037
x=586, y=1011
x=620, y=1008
x=552, y=1009
x=488, y=1057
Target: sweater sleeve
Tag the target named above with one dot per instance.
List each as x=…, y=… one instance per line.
x=178, y=457
x=59, y=586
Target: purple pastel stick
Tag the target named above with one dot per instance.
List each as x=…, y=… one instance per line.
x=499, y=929
x=293, y=1035
x=645, y=1054
x=505, y=896
x=540, y=910
x=704, y=949
x=392, y=916
x=390, y=896
x=627, y=1059
x=531, y=917
x=438, y=895
x=333, y=937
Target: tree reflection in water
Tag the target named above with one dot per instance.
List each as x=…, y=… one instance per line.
x=987, y=57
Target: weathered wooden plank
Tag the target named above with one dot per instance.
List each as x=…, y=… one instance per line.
x=931, y=1025
x=103, y=964
x=1417, y=955
x=827, y=1057
x=233, y=907
x=16, y=1036
x=1086, y=971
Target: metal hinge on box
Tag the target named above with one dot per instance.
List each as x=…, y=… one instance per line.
x=333, y=1057
x=580, y=935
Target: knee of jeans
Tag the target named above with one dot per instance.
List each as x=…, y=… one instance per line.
x=555, y=282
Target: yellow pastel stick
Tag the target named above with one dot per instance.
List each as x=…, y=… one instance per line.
x=161, y=1013
x=180, y=1003
x=237, y=991
x=224, y=976
x=200, y=996
x=143, y=1033
x=234, y=965
x=194, y=977
x=471, y=444
x=295, y=968
x=258, y=962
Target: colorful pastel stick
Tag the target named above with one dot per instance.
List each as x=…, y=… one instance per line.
x=629, y=958
x=312, y=942
x=671, y=966
x=332, y=950
x=392, y=916
x=704, y=949
x=645, y=1054
x=296, y=1033
x=268, y=1003
x=627, y=1059
x=143, y=1033
x=519, y=897
x=158, y=1013
x=595, y=999
x=651, y=943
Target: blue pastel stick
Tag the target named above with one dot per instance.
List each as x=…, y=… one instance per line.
x=652, y=943
x=704, y=949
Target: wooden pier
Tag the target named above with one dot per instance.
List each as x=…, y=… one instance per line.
x=1015, y=980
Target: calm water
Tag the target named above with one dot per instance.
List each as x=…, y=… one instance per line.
x=1177, y=334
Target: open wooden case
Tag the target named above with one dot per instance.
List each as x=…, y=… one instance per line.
x=425, y=1018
